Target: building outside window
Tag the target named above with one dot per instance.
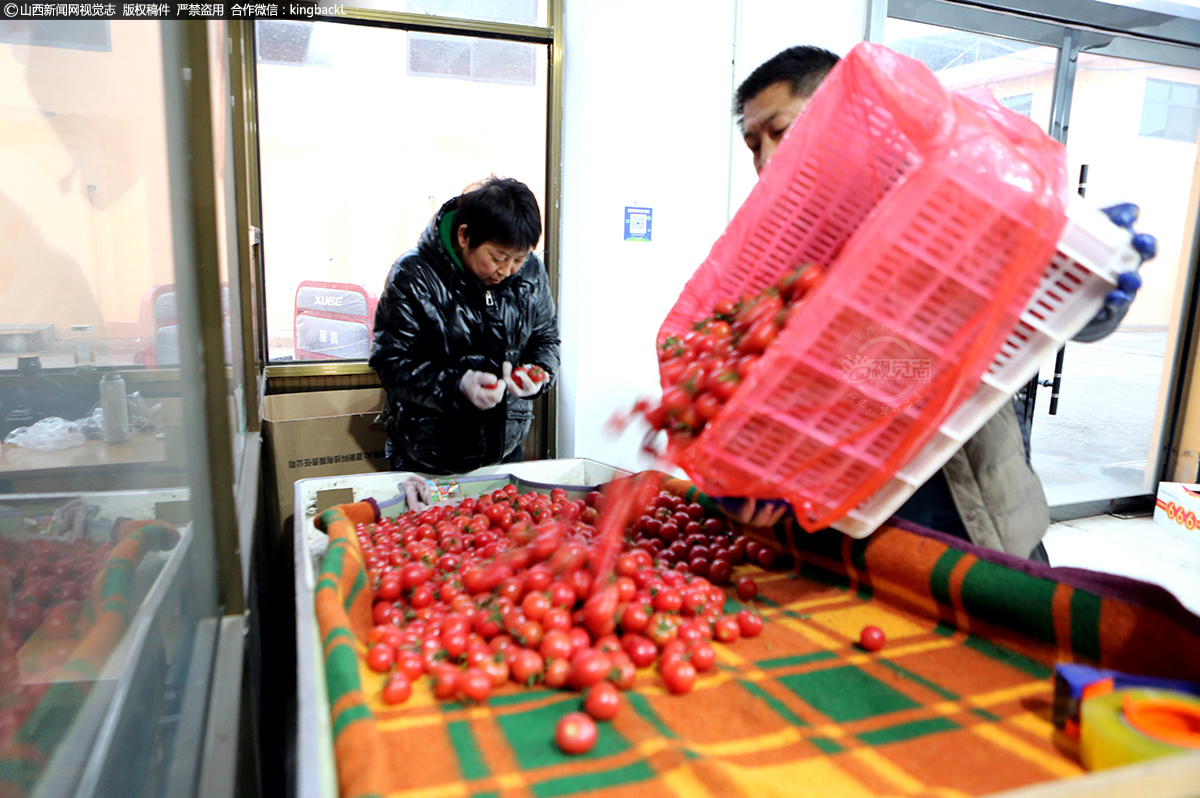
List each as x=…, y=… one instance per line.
x=1170, y=110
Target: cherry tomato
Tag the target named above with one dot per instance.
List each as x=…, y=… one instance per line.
x=397, y=689
x=410, y=664
x=641, y=651
x=635, y=618
x=626, y=564
x=527, y=667
x=383, y=613
x=57, y=623
x=389, y=587
x=747, y=589
x=475, y=685
x=589, y=668
x=497, y=668
x=667, y=600
x=556, y=619
x=702, y=656
x=557, y=671
x=530, y=632
x=679, y=676
x=624, y=672
x=380, y=657
x=556, y=645
x=446, y=679
x=872, y=638
x=535, y=606
x=454, y=643
x=663, y=628
x=726, y=629
x=750, y=624
x=689, y=632
x=576, y=733
x=602, y=701
x=422, y=596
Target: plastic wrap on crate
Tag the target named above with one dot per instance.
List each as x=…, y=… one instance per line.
x=934, y=215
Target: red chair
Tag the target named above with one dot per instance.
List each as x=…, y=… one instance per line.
x=333, y=321
x=158, y=327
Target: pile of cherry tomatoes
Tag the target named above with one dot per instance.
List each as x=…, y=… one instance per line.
x=702, y=369
x=510, y=587
x=43, y=584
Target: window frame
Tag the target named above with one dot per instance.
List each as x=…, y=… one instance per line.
x=333, y=374
x=344, y=373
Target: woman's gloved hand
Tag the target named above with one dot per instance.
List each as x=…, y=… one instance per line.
x=519, y=382
x=70, y=520
x=418, y=492
x=482, y=389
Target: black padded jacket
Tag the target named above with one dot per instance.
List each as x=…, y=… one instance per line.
x=434, y=321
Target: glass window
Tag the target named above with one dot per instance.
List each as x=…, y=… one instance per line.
x=1021, y=103
x=105, y=573
x=521, y=12
x=356, y=158
x=1170, y=110
x=72, y=34
x=1188, y=9
x=1019, y=74
x=282, y=42
x=475, y=59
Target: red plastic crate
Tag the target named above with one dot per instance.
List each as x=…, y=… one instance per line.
x=935, y=215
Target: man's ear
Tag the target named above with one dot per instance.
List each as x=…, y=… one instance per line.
x=462, y=237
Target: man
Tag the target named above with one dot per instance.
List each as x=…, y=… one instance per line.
x=987, y=493
x=463, y=320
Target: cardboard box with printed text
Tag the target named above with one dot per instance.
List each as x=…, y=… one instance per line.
x=318, y=434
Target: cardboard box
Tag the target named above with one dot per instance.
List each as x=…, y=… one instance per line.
x=318, y=434
x=1177, y=506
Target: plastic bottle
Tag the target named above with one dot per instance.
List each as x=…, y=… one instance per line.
x=115, y=407
x=85, y=352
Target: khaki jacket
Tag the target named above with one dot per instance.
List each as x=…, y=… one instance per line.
x=999, y=498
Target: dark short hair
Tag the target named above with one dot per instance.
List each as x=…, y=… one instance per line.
x=802, y=67
x=502, y=210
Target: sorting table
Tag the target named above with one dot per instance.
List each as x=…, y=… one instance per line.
x=957, y=704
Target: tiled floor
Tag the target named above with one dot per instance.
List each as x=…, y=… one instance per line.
x=1134, y=547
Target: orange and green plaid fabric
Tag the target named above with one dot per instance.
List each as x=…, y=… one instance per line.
x=957, y=704
x=106, y=616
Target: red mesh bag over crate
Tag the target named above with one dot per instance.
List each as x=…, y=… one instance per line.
x=934, y=215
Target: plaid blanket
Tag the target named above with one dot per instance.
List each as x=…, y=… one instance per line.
x=957, y=704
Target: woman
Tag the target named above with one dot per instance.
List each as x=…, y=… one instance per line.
x=463, y=321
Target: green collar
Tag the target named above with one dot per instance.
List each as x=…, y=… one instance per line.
x=446, y=233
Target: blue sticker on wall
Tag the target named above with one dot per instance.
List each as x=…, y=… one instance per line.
x=637, y=223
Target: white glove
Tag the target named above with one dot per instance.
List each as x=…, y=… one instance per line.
x=482, y=389
x=519, y=382
x=418, y=492
x=70, y=520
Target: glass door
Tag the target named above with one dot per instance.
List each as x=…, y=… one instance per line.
x=1019, y=73
x=1132, y=138
x=1128, y=111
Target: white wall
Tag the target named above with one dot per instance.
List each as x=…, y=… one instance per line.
x=648, y=88
x=767, y=26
